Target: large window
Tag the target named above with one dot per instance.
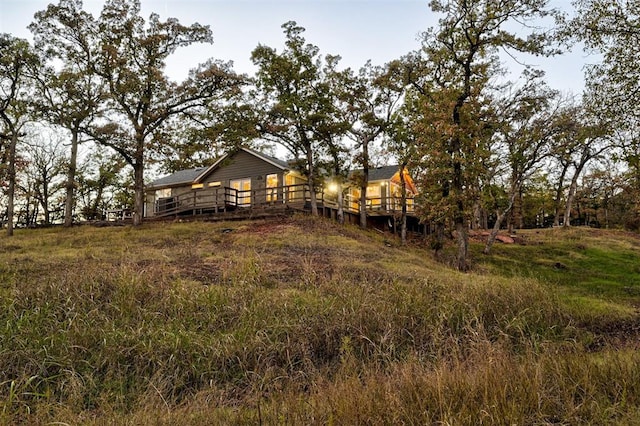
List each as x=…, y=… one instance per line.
x=374, y=195
x=293, y=191
x=243, y=191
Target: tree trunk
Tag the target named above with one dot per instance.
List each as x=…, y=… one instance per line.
x=340, y=201
x=364, y=183
x=312, y=183
x=438, y=243
x=520, y=210
x=71, y=180
x=44, y=198
x=45, y=208
x=516, y=192
x=570, y=198
x=494, y=232
x=403, y=217
x=557, y=199
x=463, y=245
x=93, y=206
x=138, y=206
x=138, y=181
x=11, y=191
x=477, y=216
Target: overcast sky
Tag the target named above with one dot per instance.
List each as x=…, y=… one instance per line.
x=357, y=30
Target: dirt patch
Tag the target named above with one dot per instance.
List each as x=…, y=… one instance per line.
x=624, y=334
x=9, y=248
x=269, y=227
x=205, y=273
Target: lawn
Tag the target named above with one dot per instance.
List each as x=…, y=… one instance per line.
x=302, y=321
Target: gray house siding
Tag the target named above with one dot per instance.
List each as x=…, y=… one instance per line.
x=243, y=165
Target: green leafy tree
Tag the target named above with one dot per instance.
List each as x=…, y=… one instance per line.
x=581, y=138
x=295, y=105
x=611, y=28
x=69, y=92
x=401, y=143
x=99, y=178
x=17, y=64
x=331, y=128
x=369, y=100
x=202, y=136
x=522, y=140
x=142, y=98
x=461, y=59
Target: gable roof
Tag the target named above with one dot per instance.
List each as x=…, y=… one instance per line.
x=195, y=175
x=283, y=165
x=180, y=177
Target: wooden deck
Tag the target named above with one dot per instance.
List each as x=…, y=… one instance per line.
x=225, y=200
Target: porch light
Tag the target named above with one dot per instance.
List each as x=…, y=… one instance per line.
x=332, y=187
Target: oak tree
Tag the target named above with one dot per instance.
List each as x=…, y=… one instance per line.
x=69, y=92
x=462, y=59
x=141, y=96
x=291, y=93
x=17, y=63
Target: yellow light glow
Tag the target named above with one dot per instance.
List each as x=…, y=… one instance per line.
x=333, y=187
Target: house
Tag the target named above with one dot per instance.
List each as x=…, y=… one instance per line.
x=241, y=179
x=246, y=179
x=384, y=189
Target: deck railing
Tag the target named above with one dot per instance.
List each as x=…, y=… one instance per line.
x=382, y=205
x=222, y=199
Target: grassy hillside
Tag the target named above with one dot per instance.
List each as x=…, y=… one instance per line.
x=301, y=321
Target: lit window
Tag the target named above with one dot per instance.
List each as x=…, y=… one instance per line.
x=242, y=189
x=163, y=193
x=215, y=183
x=374, y=194
x=272, y=184
x=197, y=186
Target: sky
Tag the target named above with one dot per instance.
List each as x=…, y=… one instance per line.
x=357, y=30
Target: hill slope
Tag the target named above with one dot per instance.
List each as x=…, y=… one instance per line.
x=302, y=321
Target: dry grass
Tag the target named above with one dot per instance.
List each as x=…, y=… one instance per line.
x=296, y=321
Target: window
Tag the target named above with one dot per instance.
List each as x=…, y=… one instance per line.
x=354, y=199
x=214, y=184
x=163, y=193
x=293, y=191
x=243, y=191
x=197, y=186
x=374, y=195
x=272, y=185
x=289, y=179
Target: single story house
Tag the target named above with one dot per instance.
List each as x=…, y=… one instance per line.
x=246, y=178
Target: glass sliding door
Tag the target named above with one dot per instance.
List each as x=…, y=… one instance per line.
x=243, y=188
